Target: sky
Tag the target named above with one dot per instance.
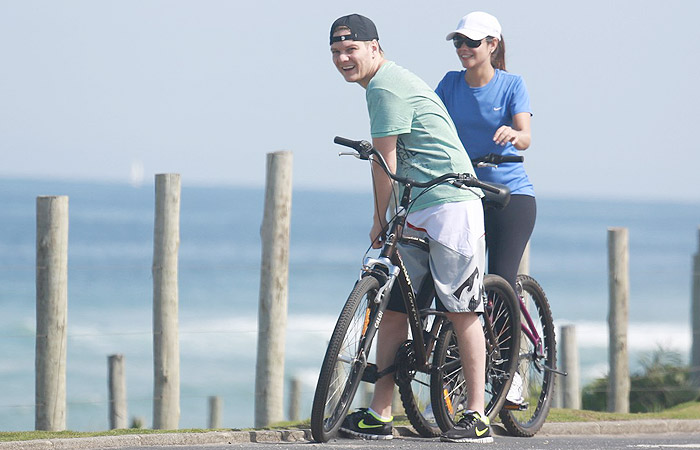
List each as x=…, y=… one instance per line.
x=107, y=90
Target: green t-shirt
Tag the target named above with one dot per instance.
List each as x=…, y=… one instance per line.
x=401, y=104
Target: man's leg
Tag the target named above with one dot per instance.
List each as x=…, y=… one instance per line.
x=473, y=426
x=470, y=338
x=393, y=331
x=377, y=422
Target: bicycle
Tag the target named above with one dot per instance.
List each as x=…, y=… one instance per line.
x=537, y=359
x=426, y=382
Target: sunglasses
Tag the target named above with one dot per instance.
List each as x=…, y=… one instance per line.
x=471, y=43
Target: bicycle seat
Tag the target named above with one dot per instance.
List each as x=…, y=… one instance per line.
x=496, y=201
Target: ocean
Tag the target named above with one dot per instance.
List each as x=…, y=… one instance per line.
x=110, y=289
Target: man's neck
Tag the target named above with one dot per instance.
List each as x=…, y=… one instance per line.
x=379, y=62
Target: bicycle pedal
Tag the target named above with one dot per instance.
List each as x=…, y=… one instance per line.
x=510, y=406
x=370, y=375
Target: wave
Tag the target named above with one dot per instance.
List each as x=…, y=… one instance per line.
x=641, y=336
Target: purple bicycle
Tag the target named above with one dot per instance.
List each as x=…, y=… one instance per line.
x=530, y=395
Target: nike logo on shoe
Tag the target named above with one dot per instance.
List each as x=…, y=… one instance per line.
x=481, y=432
x=362, y=424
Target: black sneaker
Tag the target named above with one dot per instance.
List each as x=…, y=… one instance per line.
x=471, y=428
x=363, y=424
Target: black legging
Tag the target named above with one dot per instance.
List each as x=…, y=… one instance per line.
x=507, y=233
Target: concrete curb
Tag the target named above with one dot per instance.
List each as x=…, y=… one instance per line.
x=621, y=427
x=229, y=437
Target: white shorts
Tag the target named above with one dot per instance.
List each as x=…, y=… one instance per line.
x=457, y=253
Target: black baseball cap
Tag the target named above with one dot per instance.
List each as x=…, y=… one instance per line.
x=361, y=28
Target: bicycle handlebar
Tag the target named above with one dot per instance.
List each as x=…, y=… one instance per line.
x=365, y=149
x=496, y=159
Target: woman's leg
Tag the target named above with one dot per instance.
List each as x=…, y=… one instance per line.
x=507, y=234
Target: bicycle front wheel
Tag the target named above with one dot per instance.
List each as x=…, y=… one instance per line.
x=345, y=360
x=501, y=323
x=535, y=364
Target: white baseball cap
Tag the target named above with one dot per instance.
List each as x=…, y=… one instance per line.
x=477, y=25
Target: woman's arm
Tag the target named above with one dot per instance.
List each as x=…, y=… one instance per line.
x=518, y=134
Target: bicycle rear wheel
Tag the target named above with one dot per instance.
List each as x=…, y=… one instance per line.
x=534, y=364
x=345, y=360
x=448, y=388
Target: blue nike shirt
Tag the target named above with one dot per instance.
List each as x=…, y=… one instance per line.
x=479, y=112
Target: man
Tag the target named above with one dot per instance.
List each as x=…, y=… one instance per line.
x=412, y=130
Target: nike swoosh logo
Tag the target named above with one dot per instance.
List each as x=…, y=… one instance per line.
x=497, y=108
x=362, y=424
x=481, y=432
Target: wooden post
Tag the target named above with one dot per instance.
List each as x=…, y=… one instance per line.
x=117, y=392
x=215, y=408
x=274, y=274
x=51, y=312
x=166, y=351
x=570, y=391
x=618, y=281
x=367, y=393
x=294, y=399
x=695, y=319
x=396, y=403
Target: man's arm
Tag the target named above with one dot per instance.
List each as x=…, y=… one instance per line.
x=383, y=186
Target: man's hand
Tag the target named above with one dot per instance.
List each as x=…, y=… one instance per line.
x=376, y=235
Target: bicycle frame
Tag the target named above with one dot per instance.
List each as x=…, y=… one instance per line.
x=394, y=270
x=528, y=327
x=389, y=267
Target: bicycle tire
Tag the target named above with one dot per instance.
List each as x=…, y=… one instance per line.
x=344, y=363
x=448, y=390
x=414, y=389
x=538, y=381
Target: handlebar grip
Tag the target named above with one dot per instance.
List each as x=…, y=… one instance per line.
x=496, y=159
x=512, y=158
x=347, y=142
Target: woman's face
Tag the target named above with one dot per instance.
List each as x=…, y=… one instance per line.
x=470, y=57
x=355, y=60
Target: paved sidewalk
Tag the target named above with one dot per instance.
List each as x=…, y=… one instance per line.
x=228, y=437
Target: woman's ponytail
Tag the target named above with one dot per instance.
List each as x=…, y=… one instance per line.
x=498, y=57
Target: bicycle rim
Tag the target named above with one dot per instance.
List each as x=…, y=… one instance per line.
x=345, y=361
x=537, y=382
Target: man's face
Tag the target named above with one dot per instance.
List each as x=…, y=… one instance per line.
x=355, y=60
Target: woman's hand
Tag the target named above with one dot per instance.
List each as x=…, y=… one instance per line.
x=506, y=134
x=518, y=134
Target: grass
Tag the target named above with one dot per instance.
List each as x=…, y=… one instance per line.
x=6, y=436
x=689, y=410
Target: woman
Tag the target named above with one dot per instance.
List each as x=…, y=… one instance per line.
x=491, y=109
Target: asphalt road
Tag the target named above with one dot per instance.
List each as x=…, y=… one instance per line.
x=646, y=441
x=641, y=434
